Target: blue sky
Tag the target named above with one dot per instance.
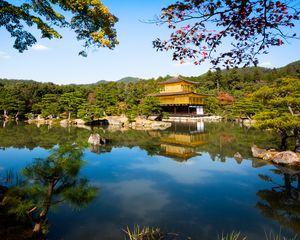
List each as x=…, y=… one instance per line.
x=58, y=61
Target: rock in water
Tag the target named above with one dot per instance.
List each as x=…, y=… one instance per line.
x=94, y=139
x=286, y=157
x=237, y=155
x=258, y=152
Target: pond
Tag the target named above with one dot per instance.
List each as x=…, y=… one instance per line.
x=183, y=180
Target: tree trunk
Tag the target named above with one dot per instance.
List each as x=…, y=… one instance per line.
x=284, y=137
x=43, y=214
x=69, y=116
x=290, y=109
x=288, y=183
x=6, y=117
x=17, y=115
x=298, y=187
x=218, y=86
x=297, y=140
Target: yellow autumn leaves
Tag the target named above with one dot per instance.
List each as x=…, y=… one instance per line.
x=99, y=37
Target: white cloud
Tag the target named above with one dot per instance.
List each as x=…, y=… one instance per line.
x=39, y=47
x=4, y=55
x=140, y=195
x=265, y=64
x=197, y=170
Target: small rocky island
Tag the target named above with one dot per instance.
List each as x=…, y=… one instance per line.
x=277, y=157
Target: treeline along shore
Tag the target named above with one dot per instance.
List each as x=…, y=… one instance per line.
x=268, y=96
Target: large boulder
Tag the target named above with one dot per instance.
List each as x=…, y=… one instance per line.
x=64, y=123
x=95, y=139
x=286, y=157
x=146, y=124
x=258, y=152
x=269, y=155
x=119, y=121
x=156, y=125
x=78, y=122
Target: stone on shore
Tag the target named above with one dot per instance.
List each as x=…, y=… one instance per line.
x=145, y=124
x=120, y=121
x=258, y=152
x=286, y=157
x=282, y=158
x=78, y=122
x=139, y=123
x=64, y=123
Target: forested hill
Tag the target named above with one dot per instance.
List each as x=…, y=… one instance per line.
x=18, y=98
x=129, y=79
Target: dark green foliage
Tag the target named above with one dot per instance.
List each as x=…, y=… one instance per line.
x=281, y=108
x=280, y=201
x=150, y=105
x=91, y=21
x=47, y=182
x=91, y=101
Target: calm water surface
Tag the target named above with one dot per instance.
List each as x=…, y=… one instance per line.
x=184, y=180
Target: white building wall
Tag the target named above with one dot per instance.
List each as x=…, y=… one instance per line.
x=199, y=110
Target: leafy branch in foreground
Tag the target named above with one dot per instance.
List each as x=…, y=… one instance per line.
x=89, y=19
x=251, y=26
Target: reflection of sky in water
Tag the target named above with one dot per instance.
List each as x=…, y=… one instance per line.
x=200, y=197
x=16, y=159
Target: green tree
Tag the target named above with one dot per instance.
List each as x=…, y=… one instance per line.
x=246, y=108
x=89, y=19
x=48, y=182
x=48, y=106
x=150, y=105
x=11, y=103
x=70, y=102
x=281, y=111
x=89, y=112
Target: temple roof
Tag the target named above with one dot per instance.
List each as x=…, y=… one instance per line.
x=175, y=93
x=177, y=79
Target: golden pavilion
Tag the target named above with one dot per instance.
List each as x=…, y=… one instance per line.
x=177, y=97
x=181, y=143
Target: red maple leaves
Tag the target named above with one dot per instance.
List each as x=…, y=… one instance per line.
x=251, y=26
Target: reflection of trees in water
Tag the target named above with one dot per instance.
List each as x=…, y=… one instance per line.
x=282, y=202
x=225, y=139
x=31, y=136
x=46, y=183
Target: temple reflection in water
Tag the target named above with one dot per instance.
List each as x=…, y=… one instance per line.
x=181, y=140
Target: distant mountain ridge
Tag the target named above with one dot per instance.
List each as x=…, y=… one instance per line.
x=124, y=80
x=291, y=69
x=129, y=79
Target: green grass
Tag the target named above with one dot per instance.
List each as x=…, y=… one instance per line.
x=145, y=233
x=278, y=236
x=232, y=236
x=151, y=233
